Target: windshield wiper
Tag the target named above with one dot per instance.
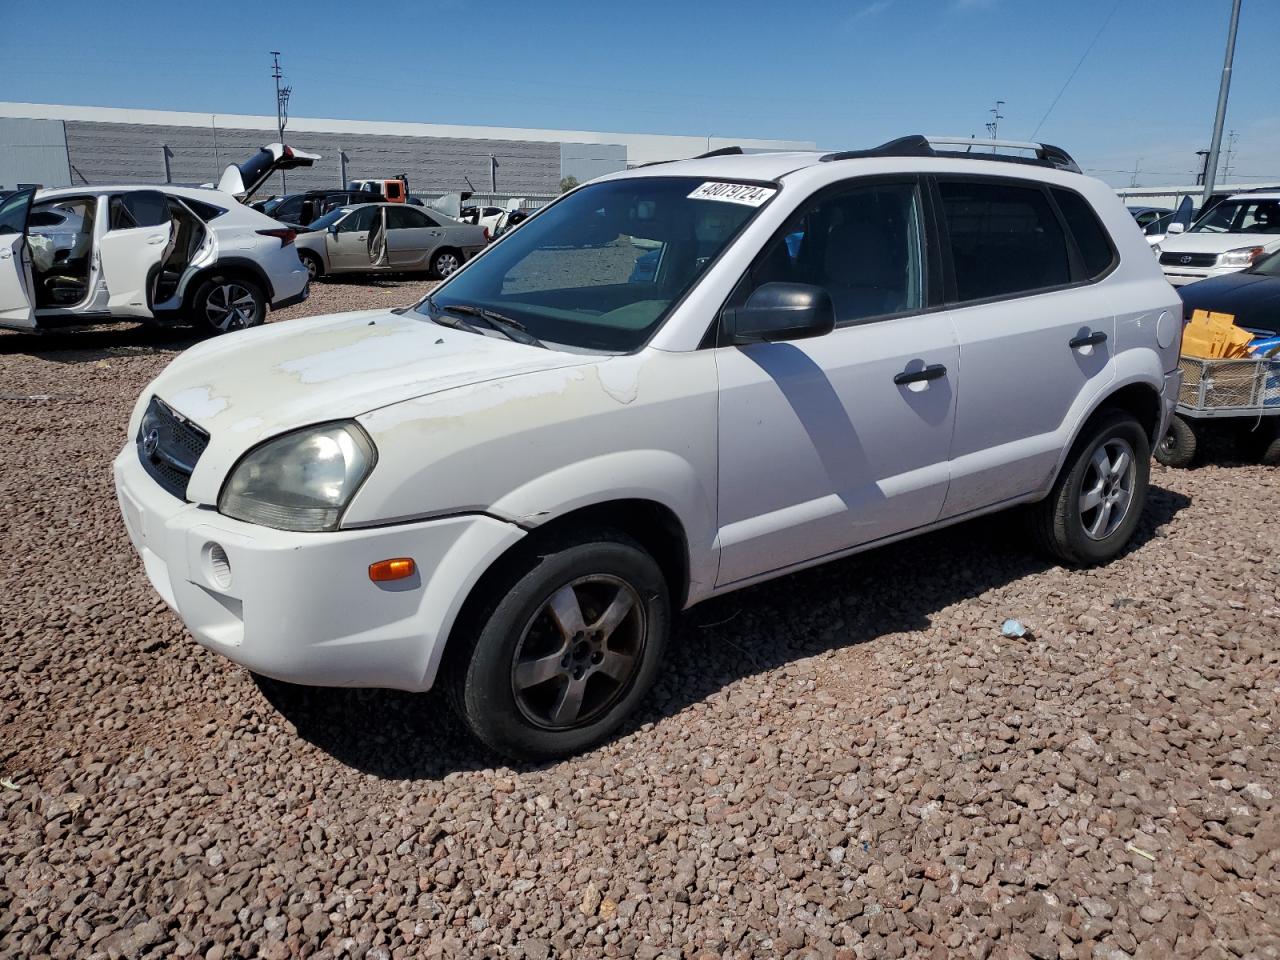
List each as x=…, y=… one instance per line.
x=511, y=329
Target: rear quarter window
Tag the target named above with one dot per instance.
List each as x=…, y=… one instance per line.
x=1096, y=252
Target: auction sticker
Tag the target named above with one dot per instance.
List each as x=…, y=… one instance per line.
x=745, y=193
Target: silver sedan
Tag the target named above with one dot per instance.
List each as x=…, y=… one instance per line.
x=387, y=238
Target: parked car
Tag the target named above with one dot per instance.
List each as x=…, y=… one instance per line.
x=1145, y=216
x=1229, y=237
x=97, y=254
x=511, y=488
x=303, y=209
x=1251, y=295
x=387, y=237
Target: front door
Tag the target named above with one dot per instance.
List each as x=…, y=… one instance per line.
x=139, y=233
x=349, y=242
x=843, y=439
x=1036, y=337
x=17, y=300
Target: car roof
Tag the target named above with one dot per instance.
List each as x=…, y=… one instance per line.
x=207, y=194
x=1261, y=195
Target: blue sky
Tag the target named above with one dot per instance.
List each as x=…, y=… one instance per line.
x=843, y=74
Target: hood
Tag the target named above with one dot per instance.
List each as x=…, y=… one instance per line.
x=243, y=180
x=1215, y=242
x=258, y=383
x=1254, y=300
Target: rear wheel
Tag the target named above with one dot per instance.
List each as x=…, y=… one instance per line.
x=223, y=304
x=1177, y=448
x=315, y=269
x=566, y=652
x=1262, y=443
x=1099, y=496
x=445, y=262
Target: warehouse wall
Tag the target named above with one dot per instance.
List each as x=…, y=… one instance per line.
x=133, y=153
x=586, y=161
x=33, y=151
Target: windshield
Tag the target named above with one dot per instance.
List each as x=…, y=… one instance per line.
x=1241, y=216
x=601, y=269
x=329, y=219
x=1268, y=266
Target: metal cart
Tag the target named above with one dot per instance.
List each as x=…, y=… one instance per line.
x=1240, y=393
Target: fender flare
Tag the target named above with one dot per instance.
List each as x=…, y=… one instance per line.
x=229, y=265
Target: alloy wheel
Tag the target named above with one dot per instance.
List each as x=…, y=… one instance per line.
x=446, y=263
x=1107, y=490
x=231, y=307
x=580, y=652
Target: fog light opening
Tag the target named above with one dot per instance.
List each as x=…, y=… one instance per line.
x=219, y=565
x=399, y=568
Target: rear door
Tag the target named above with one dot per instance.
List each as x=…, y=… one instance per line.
x=139, y=235
x=411, y=236
x=17, y=301
x=1036, y=334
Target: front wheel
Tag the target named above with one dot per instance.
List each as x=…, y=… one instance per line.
x=1099, y=496
x=224, y=304
x=315, y=270
x=567, y=651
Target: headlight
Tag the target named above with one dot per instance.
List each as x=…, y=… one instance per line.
x=300, y=481
x=1239, y=257
x=1155, y=248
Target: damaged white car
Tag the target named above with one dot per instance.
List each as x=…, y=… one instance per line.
x=512, y=488
x=97, y=254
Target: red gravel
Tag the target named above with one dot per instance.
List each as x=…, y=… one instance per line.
x=850, y=762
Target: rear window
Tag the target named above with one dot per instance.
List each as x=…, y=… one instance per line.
x=1096, y=252
x=1005, y=240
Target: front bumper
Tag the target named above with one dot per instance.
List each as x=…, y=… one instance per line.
x=1180, y=276
x=300, y=607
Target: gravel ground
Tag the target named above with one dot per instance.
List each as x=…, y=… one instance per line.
x=849, y=762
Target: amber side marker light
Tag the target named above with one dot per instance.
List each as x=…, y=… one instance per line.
x=397, y=569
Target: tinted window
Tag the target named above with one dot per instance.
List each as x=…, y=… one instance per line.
x=362, y=219
x=140, y=208
x=45, y=218
x=289, y=210
x=1239, y=216
x=205, y=211
x=400, y=218
x=1005, y=240
x=1090, y=235
x=13, y=211
x=863, y=245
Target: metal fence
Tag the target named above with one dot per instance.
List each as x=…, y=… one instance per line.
x=527, y=200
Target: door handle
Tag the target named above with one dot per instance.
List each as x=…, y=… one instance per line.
x=932, y=372
x=6, y=254
x=154, y=241
x=1088, y=340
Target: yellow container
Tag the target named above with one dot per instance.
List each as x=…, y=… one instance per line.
x=1214, y=336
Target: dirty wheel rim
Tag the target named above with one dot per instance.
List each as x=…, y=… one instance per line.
x=311, y=267
x=1107, y=491
x=231, y=307
x=1169, y=443
x=579, y=653
x=446, y=263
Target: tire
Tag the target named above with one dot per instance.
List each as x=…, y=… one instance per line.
x=315, y=269
x=1077, y=523
x=534, y=685
x=222, y=304
x=1177, y=448
x=444, y=262
x=1262, y=444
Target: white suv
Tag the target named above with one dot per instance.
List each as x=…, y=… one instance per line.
x=512, y=487
x=81, y=255
x=1232, y=236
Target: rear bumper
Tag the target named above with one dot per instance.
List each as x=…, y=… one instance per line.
x=290, y=286
x=290, y=301
x=301, y=607
x=1168, y=401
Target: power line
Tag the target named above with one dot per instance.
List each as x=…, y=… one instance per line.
x=1076, y=68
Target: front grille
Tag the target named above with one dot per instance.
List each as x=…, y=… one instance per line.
x=169, y=446
x=1188, y=259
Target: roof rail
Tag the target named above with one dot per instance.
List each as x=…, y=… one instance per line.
x=721, y=152
x=919, y=145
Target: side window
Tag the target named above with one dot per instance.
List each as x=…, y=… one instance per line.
x=290, y=210
x=138, y=208
x=401, y=218
x=1096, y=252
x=863, y=244
x=1005, y=239
x=359, y=221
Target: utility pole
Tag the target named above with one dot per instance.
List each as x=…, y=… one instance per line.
x=282, y=105
x=1232, y=137
x=1133, y=181
x=1224, y=87
x=993, y=127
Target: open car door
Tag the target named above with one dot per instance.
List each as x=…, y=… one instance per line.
x=242, y=180
x=17, y=299
x=139, y=237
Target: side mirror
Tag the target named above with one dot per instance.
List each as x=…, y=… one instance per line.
x=780, y=311
x=1177, y=228
x=333, y=228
